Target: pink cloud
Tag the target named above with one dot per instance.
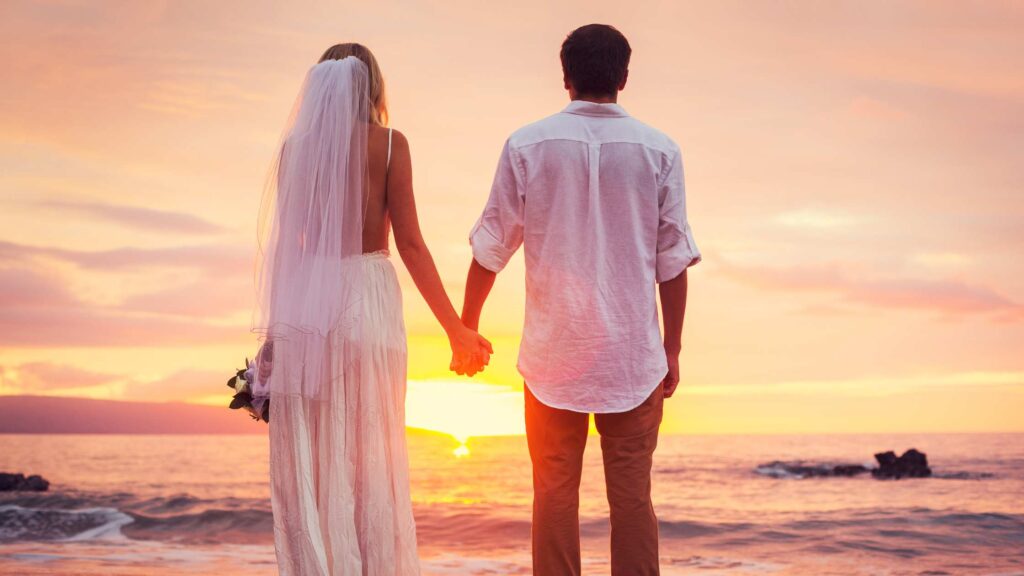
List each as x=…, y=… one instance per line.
x=212, y=259
x=35, y=310
x=81, y=326
x=946, y=296
x=138, y=217
x=20, y=288
x=183, y=385
x=949, y=296
x=37, y=376
x=214, y=297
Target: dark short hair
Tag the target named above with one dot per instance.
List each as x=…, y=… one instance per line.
x=595, y=58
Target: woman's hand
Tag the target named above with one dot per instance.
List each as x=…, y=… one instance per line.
x=470, y=351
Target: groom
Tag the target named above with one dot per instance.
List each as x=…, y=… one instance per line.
x=596, y=198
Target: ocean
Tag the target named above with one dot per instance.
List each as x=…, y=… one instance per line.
x=157, y=505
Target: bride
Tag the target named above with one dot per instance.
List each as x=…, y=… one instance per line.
x=329, y=304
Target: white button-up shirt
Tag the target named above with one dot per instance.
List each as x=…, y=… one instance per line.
x=597, y=199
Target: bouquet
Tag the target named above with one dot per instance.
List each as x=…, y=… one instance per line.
x=251, y=384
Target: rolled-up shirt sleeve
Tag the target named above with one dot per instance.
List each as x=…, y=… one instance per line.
x=677, y=250
x=498, y=232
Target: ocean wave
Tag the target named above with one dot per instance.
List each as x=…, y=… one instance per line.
x=206, y=527
x=191, y=520
x=798, y=470
x=180, y=517
x=187, y=519
x=18, y=523
x=896, y=533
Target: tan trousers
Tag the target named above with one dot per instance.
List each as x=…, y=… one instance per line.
x=557, y=439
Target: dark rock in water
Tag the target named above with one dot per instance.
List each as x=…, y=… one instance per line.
x=12, y=482
x=912, y=464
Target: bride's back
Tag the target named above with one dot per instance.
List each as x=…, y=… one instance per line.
x=377, y=224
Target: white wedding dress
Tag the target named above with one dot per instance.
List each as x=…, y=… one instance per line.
x=338, y=462
x=338, y=466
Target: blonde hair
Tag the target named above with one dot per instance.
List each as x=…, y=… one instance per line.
x=379, y=111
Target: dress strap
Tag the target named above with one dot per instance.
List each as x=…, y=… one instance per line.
x=388, y=165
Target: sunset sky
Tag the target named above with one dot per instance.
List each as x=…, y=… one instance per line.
x=855, y=180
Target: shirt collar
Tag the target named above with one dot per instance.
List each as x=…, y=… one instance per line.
x=587, y=108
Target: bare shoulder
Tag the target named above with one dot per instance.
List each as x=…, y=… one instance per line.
x=379, y=144
x=398, y=141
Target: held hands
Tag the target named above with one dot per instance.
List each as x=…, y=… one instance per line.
x=470, y=351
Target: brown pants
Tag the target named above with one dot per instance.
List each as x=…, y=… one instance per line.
x=557, y=439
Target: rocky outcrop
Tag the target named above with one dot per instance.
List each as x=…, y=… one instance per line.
x=912, y=464
x=12, y=482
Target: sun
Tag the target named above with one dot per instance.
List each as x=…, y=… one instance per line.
x=462, y=451
x=464, y=408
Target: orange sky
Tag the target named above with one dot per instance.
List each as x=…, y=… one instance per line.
x=854, y=178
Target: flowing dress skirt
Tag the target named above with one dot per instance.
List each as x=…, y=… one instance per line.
x=339, y=471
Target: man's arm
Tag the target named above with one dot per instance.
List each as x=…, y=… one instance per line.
x=495, y=238
x=478, y=286
x=676, y=252
x=673, y=308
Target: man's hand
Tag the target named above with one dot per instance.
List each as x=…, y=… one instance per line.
x=671, y=380
x=673, y=308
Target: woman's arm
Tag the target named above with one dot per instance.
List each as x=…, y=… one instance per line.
x=417, y=259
